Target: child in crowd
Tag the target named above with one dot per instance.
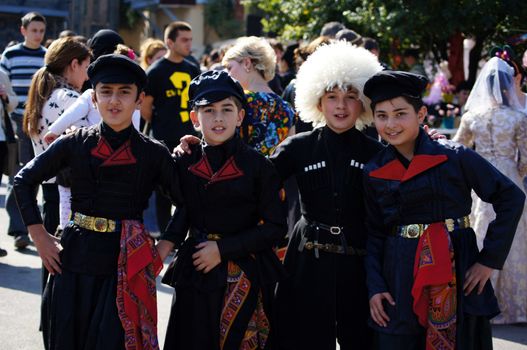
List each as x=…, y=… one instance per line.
x=325, y=295
x=102, y=294
x=428, y=283
x=225, y=271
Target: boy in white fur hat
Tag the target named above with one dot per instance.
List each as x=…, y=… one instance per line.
x=326, y=296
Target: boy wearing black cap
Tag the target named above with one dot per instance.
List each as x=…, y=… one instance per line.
x=225, y=271
x=102, y=291
x=428, y=283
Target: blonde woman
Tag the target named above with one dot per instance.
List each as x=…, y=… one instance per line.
x=269, y=118
x=152, y=50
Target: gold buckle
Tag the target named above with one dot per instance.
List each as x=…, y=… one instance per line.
x=213, y=237
x=413, y=230
x=100, y=224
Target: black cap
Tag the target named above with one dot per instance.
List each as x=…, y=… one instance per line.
x=104, y=42
x=213, y=86
x=116, y=69
x=390, y=84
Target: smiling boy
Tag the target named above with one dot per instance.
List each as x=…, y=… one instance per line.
x=225, y=270
x=102, y=292
x=428, y=283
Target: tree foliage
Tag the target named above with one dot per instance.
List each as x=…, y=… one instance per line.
x=426, y=23
x=219, y=15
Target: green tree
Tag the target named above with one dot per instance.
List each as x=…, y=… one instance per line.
x=219, y=16
x=427, y=23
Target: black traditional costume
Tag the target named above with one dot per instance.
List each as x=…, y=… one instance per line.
x=325, y=295
x=232, y=196
x=105, y=296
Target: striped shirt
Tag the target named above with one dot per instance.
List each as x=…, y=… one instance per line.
x=20, y=63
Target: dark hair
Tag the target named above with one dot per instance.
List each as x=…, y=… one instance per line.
x=411, y=53
x=504, y=80
x=172, y=30
x=289, y=55
x=66, y=32
x=370, y=44
x=32, y=17
x=349, y=35
x=331, y=29
x=464, y=85
x=416, y=103
x=275, y=44
x=59, y=55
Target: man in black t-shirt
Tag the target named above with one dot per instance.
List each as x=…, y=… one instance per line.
x=166, y=103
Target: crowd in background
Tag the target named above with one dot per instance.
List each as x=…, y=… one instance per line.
x=50, y=96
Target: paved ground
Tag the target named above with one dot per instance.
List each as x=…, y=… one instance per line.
x=20, y=298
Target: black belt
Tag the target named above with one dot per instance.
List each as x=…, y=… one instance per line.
x=333, y=229
x=314, y=245
x=201, y=235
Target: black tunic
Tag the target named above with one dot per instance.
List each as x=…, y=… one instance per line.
x=433, y=195
x=325, y=297
x=241, y=203
x=79, y=307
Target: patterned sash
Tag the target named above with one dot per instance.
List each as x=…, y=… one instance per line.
x=434, y=289
x=243, y=324
x=138, y=266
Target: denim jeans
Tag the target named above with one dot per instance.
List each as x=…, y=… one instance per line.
x=25, y=154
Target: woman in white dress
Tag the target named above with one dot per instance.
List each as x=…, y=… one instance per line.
x=494, y=124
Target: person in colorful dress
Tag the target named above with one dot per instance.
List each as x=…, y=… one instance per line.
x=225, y=271
x=102, y=294
x=269, y=118
x=428, y=283
x=495, y=124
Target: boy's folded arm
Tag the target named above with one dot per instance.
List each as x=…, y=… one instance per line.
x=177, y=228
x=507, y=200
x=272, y=211
x=250, y=241
x=39, y=169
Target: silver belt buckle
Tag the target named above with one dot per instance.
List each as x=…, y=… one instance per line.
x=335, y=230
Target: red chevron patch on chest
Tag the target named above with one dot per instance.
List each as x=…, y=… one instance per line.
x=121, y=156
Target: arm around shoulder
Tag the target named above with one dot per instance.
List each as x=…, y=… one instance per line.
x=272, y=225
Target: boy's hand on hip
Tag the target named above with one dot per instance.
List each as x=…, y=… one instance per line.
x=377, y=309
x=476, y=275
x=207, y=257
x=48, y=247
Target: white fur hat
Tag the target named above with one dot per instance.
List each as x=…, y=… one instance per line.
x=339, y=64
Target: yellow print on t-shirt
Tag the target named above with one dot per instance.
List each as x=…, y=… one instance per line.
x=181, y=82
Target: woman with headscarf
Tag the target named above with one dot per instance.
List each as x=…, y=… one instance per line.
x=494, y=123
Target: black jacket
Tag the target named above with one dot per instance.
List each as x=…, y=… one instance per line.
x=114, y=192
x=436, y=186
x=234, y=192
